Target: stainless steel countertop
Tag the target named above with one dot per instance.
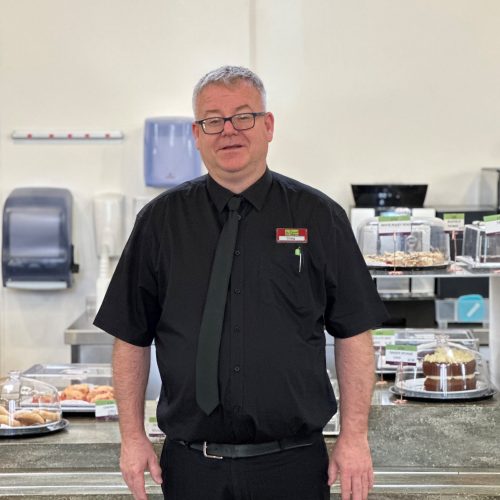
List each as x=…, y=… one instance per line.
x=83, y=332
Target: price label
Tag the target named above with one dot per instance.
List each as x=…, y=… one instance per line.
x=394, y=224
x=383, y=337
x=106, y=409
x=454, y=222
x=492, y=224
x=152, y=429
x=401, y=354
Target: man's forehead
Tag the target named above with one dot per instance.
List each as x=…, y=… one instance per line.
x=216, y=93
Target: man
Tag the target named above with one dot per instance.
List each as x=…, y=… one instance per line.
x=295, y=270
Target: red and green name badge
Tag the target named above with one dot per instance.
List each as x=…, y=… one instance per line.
x=291, y=235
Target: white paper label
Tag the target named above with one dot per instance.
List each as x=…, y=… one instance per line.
x=152, y=429
x=383, y=337
x=492, y=224
x=106, y=409
x=454, y=222
x=401, y=354
x=394, y=224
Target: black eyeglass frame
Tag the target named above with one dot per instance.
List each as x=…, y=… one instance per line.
x=229, y=119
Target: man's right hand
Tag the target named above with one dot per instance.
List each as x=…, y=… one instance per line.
x=136, y=457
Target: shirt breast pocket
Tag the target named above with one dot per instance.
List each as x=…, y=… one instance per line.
x=284, y=278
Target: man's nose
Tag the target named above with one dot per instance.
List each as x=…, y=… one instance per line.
x=229, y=128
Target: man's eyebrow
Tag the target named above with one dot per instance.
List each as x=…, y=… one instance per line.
x=218, y=111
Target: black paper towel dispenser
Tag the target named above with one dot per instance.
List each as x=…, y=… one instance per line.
x=37, y=250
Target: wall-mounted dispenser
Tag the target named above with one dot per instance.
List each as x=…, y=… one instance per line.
x=170, y=154
x=108, y=222
x=37, y=250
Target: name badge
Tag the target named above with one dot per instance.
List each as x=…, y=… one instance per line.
x=291, y=235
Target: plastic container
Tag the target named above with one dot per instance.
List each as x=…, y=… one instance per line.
x=170, y=154
x=480, y=249
x=28, y=406
x=465, y=309
x=404, y=242
x=449, y=371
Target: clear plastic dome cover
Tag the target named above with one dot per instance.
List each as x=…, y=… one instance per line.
x=479, y=247
x=447, y=371
x=26, y=402
x=404, y=242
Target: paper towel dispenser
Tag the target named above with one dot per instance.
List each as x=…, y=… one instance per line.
x=170, y=154
x=37, y=250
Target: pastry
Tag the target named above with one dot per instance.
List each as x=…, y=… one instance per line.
x=29, y=417
x=11, y=422
x=48, y=416
x=407, y=259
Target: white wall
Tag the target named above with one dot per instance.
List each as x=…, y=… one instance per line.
x=363, y=91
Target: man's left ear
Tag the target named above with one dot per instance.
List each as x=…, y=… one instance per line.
x=269, y=122
x=196, y=134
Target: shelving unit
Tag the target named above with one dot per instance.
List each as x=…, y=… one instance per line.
x=457, y=271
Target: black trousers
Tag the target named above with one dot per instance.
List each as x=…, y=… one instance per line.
x=296, y=474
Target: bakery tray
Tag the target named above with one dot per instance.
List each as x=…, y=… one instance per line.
x=482, y=392
x=33, y=430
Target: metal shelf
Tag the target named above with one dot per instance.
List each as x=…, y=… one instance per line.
x=452, y=271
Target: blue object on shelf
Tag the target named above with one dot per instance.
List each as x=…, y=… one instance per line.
x=470, y=309
x=170, y=154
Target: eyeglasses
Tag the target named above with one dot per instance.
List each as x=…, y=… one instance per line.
x=241, y=121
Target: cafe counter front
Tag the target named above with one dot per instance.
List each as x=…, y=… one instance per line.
x=421, y=450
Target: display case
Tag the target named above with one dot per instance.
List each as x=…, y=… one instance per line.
x=481, y=248
x=79, y=385
x=449, y=371
x=383, y=337
x=28, y=406
x=404, y=242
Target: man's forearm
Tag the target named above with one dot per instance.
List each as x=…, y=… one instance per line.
x=354, y=360
x=130, y=377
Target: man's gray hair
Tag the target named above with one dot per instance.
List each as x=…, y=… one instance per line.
x=229, y=75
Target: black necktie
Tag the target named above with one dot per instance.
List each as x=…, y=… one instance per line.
x=207, y=357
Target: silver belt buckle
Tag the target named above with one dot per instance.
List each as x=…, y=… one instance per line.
x=205, y=454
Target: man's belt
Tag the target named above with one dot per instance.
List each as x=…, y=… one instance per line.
x=220, y=450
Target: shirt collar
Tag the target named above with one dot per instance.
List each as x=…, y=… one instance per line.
x=255, y=194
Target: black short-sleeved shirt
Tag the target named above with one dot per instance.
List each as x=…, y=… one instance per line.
x=272, y=374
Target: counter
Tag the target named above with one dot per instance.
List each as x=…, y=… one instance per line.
x=422, y=450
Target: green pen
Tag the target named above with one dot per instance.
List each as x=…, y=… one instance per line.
x=298, y=252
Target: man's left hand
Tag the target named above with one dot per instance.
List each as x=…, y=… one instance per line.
x=351, y=461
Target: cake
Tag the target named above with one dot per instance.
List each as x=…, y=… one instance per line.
x=449, y=370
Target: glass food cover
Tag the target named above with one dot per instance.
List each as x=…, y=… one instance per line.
x=449, y=371
x=404, y=241
x=394, y=337
x=481, y=246
x=28, y=406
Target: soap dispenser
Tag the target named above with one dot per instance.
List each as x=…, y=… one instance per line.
x=108, y=223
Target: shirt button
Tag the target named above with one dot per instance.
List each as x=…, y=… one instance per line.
x=236, y=369
x=237, y=329
x=237, y=252
x=237, y=291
